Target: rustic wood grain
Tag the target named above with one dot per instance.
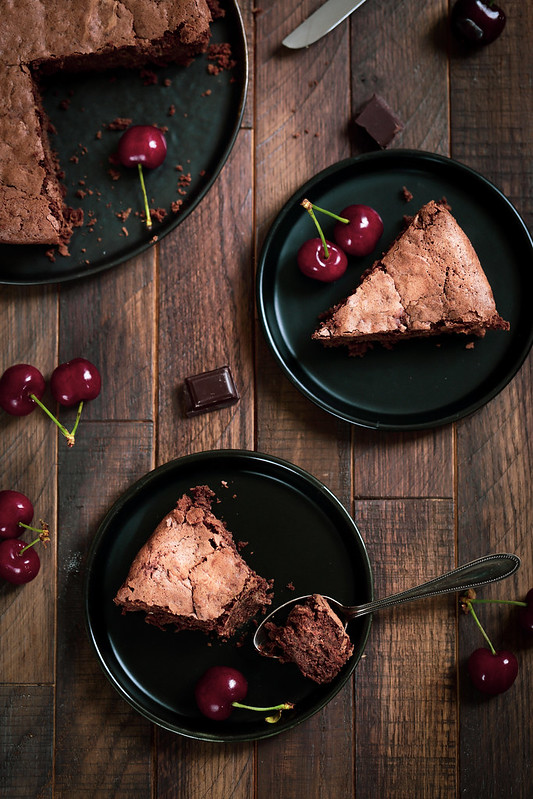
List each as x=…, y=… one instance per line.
x=28, y=453
x=405, y=701
x=102, y=747
x=26, y=741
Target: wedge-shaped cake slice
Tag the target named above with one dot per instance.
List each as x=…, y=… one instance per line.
x=189, y=574
x=429, y=282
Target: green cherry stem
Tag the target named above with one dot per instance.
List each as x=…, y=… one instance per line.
x=498, y=602
x=483, y=633
x=78, y=417
x=329, y=213
x=274, y=717
x=43, y=529
x=68, y=436
x=309, y=208
x=145, y=198
x=44, y=537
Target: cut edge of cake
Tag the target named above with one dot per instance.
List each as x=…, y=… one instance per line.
x=429, y=282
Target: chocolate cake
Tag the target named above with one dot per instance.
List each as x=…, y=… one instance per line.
x=40, y=38
x=429, y=282
x=314, y=638
x=189, y=574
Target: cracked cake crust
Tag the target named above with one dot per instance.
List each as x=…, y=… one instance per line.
x=430, y=281
x=189, y=573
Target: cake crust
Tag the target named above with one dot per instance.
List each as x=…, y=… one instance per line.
x=64, y=35
x=429, y=282
x=189, y=574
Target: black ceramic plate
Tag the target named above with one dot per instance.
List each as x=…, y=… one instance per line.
x=417, y=385
x=202, y=113
x=297, y=532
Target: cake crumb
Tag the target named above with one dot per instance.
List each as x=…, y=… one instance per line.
x=406, y=194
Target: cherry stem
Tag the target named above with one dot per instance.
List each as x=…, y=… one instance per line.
x=498, y=602
x=468, y=602
x=68, y=436
x=329, y=213
x=145, y=198
x=283, y=706
x=44, y=537
x=309, y=208
x=43, y=529
x=76, y=423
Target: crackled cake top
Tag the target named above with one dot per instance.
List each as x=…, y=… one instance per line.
x=428, y=280
x=35, y=34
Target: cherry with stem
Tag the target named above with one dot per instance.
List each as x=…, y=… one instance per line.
x=318, y=258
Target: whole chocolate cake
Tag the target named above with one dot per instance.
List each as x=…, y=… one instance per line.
x=39, y=38
x=313, y=637
x=189, y=574
x=429, y=282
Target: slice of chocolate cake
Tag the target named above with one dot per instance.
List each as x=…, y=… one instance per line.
x=38, y=39
x=314, y=638
x=429, y=282
x=189, y=574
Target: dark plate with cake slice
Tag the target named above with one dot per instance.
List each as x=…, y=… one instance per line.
x=422, y=382
x=288, y=527
x=200, y=106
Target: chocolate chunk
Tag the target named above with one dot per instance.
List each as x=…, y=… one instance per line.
x=379, y=120
x=209, y=391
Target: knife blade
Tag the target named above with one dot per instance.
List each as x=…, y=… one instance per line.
x=322, y=21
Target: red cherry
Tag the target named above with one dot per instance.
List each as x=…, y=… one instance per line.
x=14, y=508
x=492, y=673
x=476, y=21
x=525, y=615
x=312, y=261
x=363, y=231
x=75, y=381
x=17, y=567
x=217, y=689
x=17, y=385
x=142, y=144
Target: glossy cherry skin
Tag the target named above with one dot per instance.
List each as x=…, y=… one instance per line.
x=525, y=615
x=476, y=21
x=75, y=381
x=312, y=260
x=17, y=568
x=142, y=144
x=492, y=674
x=14, y=508
x=217, y=688
x=16, y=385
x=361, y=234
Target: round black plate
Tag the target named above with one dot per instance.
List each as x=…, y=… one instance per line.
x=202, y=113
x=297, y=532
x=418, y=384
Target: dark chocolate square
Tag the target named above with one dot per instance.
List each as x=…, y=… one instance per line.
x=209, y=391
x=379, y=121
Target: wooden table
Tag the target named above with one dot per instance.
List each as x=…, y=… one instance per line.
x=409, y=724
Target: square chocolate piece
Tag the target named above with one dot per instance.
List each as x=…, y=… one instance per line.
x=379, y=121
x=209, y=391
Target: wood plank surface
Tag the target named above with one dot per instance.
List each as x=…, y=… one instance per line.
x=409, y=723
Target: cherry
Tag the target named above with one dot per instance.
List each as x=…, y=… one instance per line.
x=319, y=258
x=217, y=689
x=221, y=688
x=477, y=21
x=16, y=511
x=142, y=145
x=21, y=386
x=75, y=381
x=492, y=672
x=313, y=262
x=19, y=562
x=363, y=231
x=525, y=614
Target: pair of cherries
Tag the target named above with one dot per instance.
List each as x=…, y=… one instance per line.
x=19, y=561
x=72, y=383
x=357, y=230
x=494, y=671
